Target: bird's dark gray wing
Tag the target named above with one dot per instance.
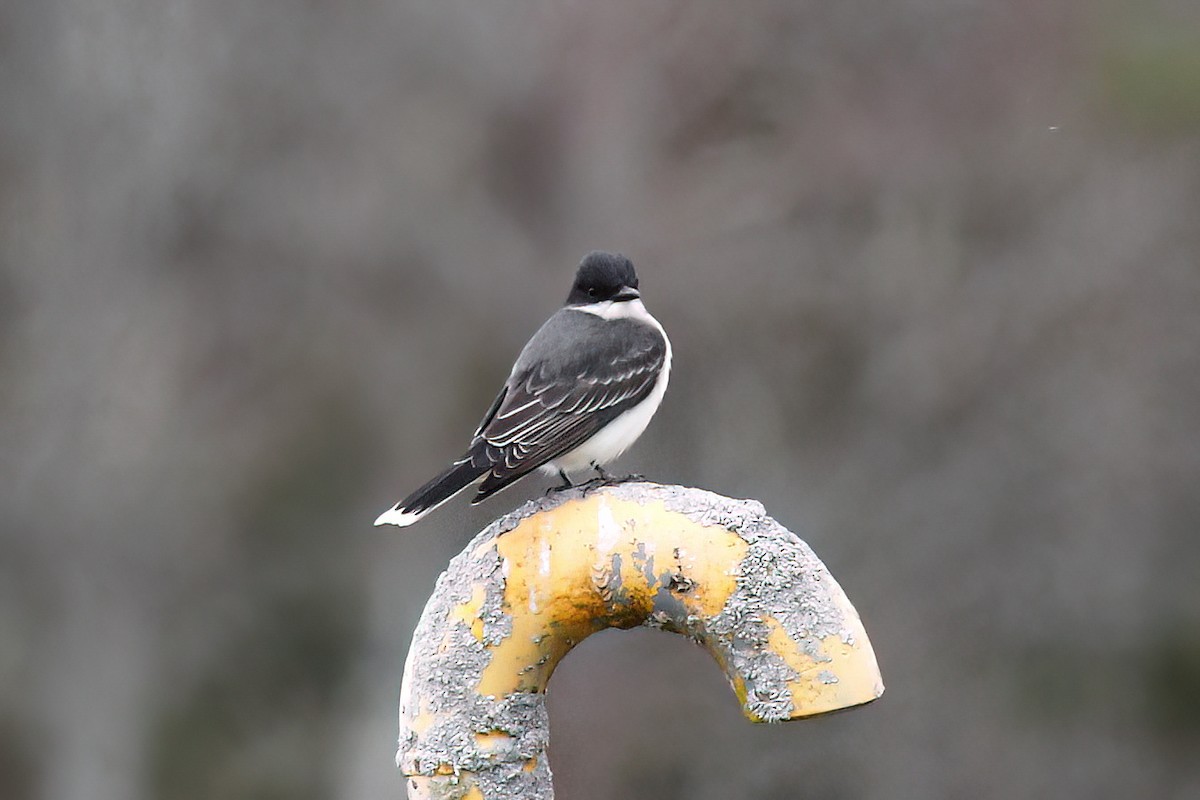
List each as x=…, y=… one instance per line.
x=574, y=377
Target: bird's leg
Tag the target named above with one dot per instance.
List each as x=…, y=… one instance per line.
x=566, y=484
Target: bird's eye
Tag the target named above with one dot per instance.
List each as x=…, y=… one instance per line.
x=591, y=291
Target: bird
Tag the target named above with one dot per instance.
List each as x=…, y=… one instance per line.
x=582, y=390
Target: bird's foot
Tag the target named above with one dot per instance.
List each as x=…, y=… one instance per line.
x=607, y=477
x=603, y=478
x=566, y=484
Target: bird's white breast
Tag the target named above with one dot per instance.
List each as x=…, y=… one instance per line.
x=615, y=438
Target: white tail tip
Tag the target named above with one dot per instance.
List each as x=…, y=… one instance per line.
x=394, y=516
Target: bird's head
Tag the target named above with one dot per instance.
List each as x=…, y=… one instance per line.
x=602, y=277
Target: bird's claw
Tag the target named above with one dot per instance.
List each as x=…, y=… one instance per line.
x=603, y=478
x=606, y=477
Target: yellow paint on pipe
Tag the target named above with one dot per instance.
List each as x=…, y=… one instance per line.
x=468, y=612
x=601, y=562
x=618, y=558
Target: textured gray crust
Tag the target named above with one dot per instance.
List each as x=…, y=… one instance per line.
x=444, y=665
x=780, y=578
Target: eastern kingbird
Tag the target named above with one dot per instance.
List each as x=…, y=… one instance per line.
x=582, y=391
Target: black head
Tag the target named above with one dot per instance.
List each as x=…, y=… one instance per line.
x=603, y=276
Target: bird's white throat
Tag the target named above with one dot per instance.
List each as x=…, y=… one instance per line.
x=622, y=309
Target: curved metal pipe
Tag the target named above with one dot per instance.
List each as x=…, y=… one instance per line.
x=473, y=721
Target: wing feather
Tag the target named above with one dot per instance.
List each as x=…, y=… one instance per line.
x=542, y=414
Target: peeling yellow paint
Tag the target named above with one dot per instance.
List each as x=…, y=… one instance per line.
x=419, y=723
x=835, y=675
x=468, y=612
x=602, y=562
x=849, y=678
x=488, y=741
x=596, y=563
x=599, y=561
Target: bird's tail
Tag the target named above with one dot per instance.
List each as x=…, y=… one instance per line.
x=457, y=477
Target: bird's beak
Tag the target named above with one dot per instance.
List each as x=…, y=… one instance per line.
x=626, y=293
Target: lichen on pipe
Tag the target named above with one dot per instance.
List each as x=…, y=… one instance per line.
x=533, y=584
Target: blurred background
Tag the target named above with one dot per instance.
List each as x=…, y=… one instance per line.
x=931, y=270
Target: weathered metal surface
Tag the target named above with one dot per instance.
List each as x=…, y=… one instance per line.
x=533, y=584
